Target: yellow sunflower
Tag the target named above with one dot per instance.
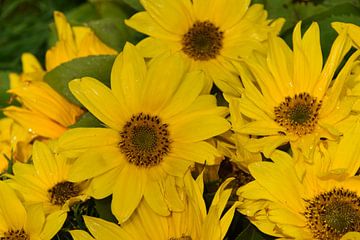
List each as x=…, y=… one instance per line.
x=290, y=95
x=192, y=223
x=209, y=34
x=321, y=203
x=14, y=143
x=46, y=180
x=73, y=42
x=156, y=126
x=19, y=223
x=45, y=112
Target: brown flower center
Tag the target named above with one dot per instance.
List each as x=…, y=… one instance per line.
x=203, y=41
x=298, y=114
x=332, y=214
x=62, y=192
x=145, y=140
x=15, y=235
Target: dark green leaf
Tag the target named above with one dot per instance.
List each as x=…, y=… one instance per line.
x=103, y=207
x=83, y=13
x=252, y=233
x=98, y=67
x=4, y=86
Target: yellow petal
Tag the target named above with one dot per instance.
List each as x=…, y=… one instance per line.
x=78, y=140
x=30, y=63
x=174, y=16
x=35, y=123
x=35, y=219
x=234, y=10
x=151, y=47
x=128, y=191
x=185, y=95
x=100, y=101
x=162, y=85
x=155, y=197
x=102, y=186
x=102, y=229
x=53, y=224
x=45, y=163
x=144, y=23
x=80, y=235
x=261, y=127
x=93, y=163
x=127, y=78
x=200, y=152
x=175, y=166
x=11, y=208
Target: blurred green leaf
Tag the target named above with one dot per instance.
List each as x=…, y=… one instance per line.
x=4, y=86
x=98, y=67
x=83, y=13
x=135, y=4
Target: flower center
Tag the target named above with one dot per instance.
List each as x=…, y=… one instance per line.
x=145, y=140
x=298, y=114
x=332, y=214
x=63, y=191
x=203, y=41
x=15, y=235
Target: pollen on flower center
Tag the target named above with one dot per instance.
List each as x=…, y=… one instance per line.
x=203, y=41
x=15, y=235
x=63, y=191
x=298, y=114
x=332, y=214
x=145, y=140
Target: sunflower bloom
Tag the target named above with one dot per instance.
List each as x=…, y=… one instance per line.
x=14, y=143
x=321, y=203
x=73, y=42
x=296, y=100
x=156, y=126
x=44, y=112
x=16, y=222
x=46, y=181
x=208, y=34
x=192, y=223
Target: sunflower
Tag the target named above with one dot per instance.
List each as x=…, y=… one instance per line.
x=322, y=202
x=73, y=42
x=156, y=126
x=44, y=112
x=46, y=180
x=14, y=143
x=209, y=34
x=17, y=222
x=192, y=223
x=289, y=97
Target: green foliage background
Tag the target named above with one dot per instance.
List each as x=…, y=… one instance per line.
x=26, y=26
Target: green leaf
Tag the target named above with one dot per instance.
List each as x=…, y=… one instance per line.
x=252, y=233
x=135, y=4
x=98, y=67
x=4, y=86
x=87, y=120
x=103, y=207
x=83, y=13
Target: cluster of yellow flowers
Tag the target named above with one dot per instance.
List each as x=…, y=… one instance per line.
x=160, y=119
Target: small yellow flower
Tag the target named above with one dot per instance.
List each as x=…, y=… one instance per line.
x=319, y=201
x=14, y=143
x=289, y=97
x=46, y=181
x=209, y=34
x=73, y=42
x=16, y=222
x=193, y=223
